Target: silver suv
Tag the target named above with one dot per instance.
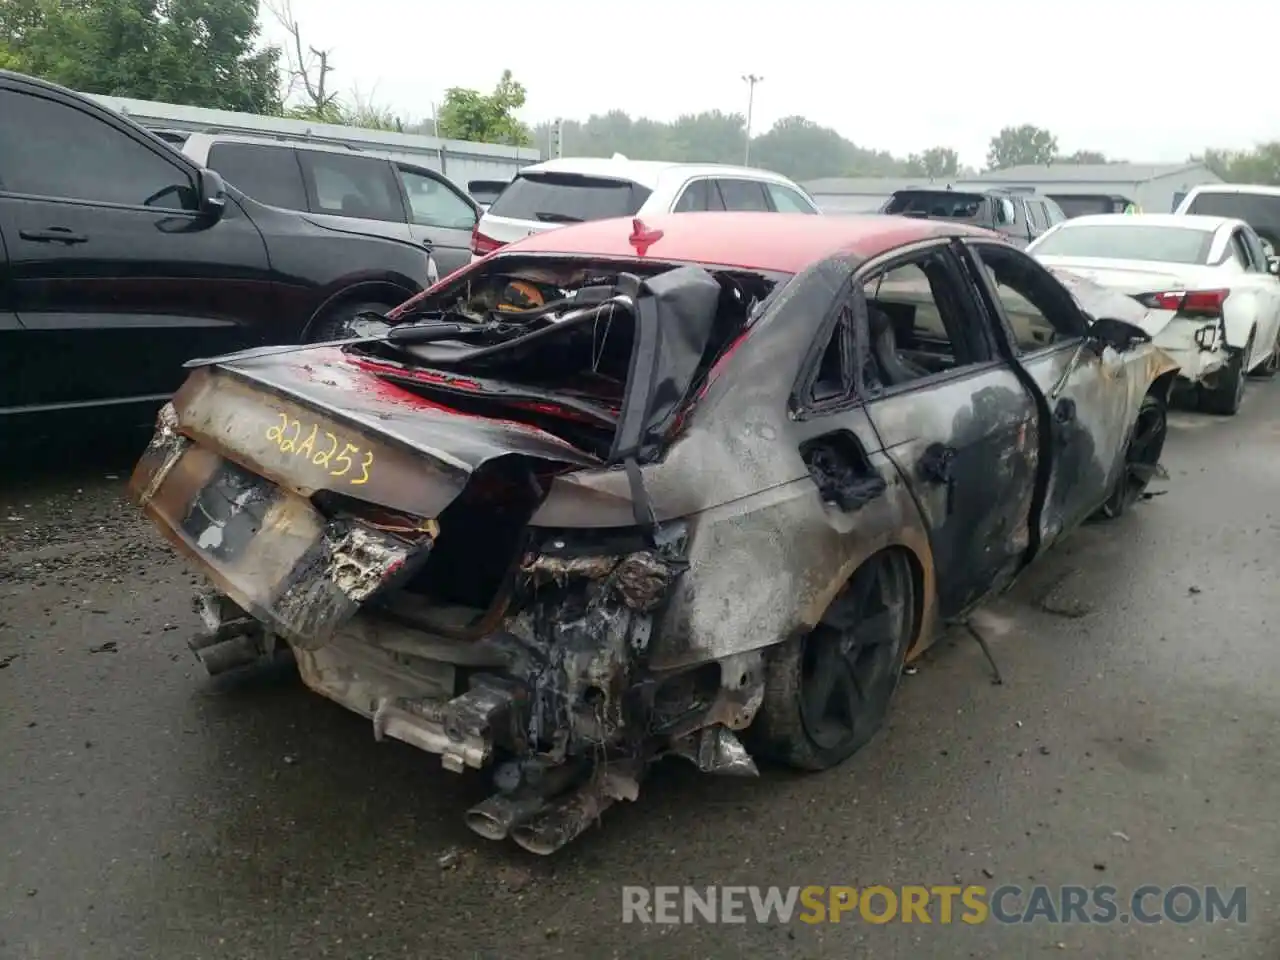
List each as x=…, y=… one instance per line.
x=347, y=189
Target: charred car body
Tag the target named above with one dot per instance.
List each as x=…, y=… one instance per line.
x=628, y=490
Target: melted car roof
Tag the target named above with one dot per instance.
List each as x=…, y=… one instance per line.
x=775, y=242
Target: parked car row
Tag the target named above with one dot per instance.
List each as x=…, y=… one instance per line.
x=124, y=253
x=1019, y=217
x=1206, y=274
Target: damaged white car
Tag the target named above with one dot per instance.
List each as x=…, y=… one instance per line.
x=627, y=490
x=1212, y=292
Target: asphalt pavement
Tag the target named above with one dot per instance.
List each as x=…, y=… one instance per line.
x=147, y=811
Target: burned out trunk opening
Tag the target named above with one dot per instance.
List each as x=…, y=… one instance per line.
x=598, y=357
x=482, y=536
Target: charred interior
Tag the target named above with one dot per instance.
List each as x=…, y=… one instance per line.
x=558, y=344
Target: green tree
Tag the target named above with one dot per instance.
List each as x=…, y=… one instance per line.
x=1259, y=165
x=1025, y=144
x=197, y=52
x=934, y=163
x=9, y=59
x=484, y=118
x=795, y=146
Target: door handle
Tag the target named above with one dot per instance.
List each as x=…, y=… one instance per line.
x=53, y=235
x=937, y=465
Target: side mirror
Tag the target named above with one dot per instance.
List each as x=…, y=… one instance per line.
x=1119, y=335
x=1273, y=266
x=213, y=194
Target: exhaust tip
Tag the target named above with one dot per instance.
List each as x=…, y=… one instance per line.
x=229, y=655
x=486, y=824
x=536, y=841
x=494, y=818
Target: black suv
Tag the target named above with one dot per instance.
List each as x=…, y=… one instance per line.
x=120, y=259
x=1020, y=217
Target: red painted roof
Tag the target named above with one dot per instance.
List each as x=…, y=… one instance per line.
x=777, y=242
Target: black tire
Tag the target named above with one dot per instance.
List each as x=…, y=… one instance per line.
x=1227, y=393
x=1141, y=457
x=827, y=693
x=335, y=323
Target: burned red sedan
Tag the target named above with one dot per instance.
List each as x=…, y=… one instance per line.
x=694, y=486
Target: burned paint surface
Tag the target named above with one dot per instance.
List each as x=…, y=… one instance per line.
x=270, y=550
x=228, y=513
x=1091, y=413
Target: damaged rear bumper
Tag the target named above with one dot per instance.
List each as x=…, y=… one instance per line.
x=555, y=696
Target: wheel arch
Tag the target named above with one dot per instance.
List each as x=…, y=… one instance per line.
x=923, y=591
x=1162, y=386
x=392, y=292
x=1238, y=327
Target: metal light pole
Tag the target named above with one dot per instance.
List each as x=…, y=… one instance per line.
x=750, y=80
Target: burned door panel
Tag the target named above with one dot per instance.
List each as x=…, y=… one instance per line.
x=767, y=567
x=960, y=425
x=1091, y=410
x=969, y=450
x=1090, y=400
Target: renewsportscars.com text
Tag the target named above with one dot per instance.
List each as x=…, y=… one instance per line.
x=944, y=904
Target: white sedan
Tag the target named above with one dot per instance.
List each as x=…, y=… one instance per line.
x=1213, y=301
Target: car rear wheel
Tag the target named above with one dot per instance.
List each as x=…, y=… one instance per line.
x=335, y=323
x=1141, y=456
x=827, y=693
x=1227, y=393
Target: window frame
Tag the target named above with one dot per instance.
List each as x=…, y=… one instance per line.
x=992, y=304
x=771, y=185
x=1238, y=251
x=402, y=169
x=157, y=147
x=280, y=147
x=851, y=292
x=713, y=189
x=758, y=184
x=305, y=155
x=1254, y=243
x=1240, y=240
x=1034, y=216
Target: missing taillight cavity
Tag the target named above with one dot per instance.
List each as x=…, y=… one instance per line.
x=1199, y=303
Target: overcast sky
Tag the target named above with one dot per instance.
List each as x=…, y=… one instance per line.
x=1137, y=79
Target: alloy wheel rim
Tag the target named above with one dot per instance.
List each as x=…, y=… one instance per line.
x=849, y=655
